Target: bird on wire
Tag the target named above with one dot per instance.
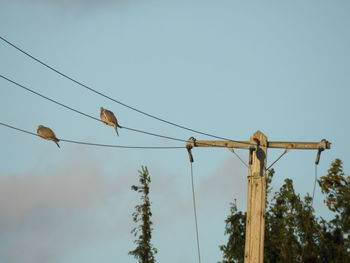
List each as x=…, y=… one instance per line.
x=109, y=118
x=47, y=134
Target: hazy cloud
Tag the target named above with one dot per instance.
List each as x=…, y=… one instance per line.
x=45, y=215
x=171, y=193
x=49, y=214
x=227, y=182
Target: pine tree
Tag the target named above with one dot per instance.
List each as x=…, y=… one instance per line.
x=336, y=240
x=144, y=251
x=235, y=228
x=281, y=226
x=337, y=189
x=233, y=251
x=292, y=231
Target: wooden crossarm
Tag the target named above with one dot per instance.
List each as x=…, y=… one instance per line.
x=246, y=144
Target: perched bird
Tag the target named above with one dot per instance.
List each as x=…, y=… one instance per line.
x=109, y=118
x=47, y=133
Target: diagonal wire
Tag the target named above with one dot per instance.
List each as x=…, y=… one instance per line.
x=47, y=98
x=89, y=116
x=84, y=114
x=312, y=203
x=285, y=151
x=313, y=192
x=154, y=134
x=195, y=214
x=110, y=98
x=239, y=157
x=97, y=144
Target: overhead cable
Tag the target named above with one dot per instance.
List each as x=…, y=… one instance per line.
x=84, y=114
x=87, y=115
x=98, y=144
x=108, y=97
x=195, y=214
x=47, y=98
x=313, y=191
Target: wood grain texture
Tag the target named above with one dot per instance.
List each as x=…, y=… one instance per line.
x=255, y=222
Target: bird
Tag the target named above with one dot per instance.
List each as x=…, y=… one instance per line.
x=47, y=134
x=109, y=118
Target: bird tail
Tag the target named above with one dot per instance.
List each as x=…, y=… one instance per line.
x=116, y=129
x=56, y=141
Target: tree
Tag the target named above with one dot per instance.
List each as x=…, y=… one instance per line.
x=233, y=251
x=336, y=187
x=144, y=251
x=291, y=229
x=281, y=225
x=292, y=232
x=235, y=228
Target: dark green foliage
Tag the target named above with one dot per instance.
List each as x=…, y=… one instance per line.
x=292, y=232
x=337, y=189
x=235, y=225
x=144, y=251
x=282, y=213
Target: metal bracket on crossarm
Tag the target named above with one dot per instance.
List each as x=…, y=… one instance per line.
x=189, y=145
x=324, y=144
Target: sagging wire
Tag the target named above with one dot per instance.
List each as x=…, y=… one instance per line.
x=108, y=97
x=87, y=115
x=313, y=191
x=322, y=146
x=189, y=147
x=97, y=144
x=82, y=113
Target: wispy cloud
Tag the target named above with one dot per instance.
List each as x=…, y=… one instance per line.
x=46, y=214
x=172, y=194
x=49, y=213
x=227, y=182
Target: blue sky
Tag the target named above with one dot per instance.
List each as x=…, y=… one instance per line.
x=227, y=68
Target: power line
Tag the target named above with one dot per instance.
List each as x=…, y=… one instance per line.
x=97, y=144
x=84, y=114
x=312, y=204
x=87, y=115
x=195, y=214
x=313, y=192
x=47, y=98
x=154, y=134
x=108, y=97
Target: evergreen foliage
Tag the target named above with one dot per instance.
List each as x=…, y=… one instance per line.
x=144, y=251
x=235, y=228
x=292, y=232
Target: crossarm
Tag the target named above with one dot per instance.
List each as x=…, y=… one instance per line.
x=246, y=144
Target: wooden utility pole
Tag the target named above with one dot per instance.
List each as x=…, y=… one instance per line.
x=257, y=145
x=255, y=222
